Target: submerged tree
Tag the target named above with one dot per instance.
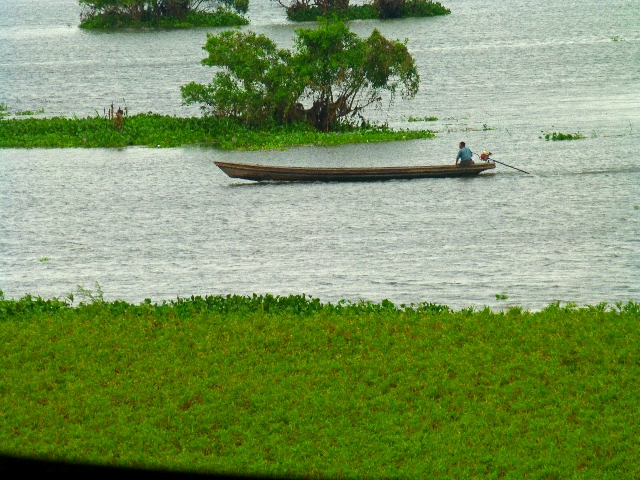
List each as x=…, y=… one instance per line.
x=304, y=10
x=331, y=76
x=344, y=74
x=323, y=5
x=257, y=84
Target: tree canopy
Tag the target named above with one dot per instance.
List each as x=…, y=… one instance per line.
x=329, y=77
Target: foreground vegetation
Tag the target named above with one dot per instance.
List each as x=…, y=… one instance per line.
x=291, y=386
x=110, y=14
x=154, y=130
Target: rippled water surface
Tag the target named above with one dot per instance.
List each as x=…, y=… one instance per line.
x=165, y=222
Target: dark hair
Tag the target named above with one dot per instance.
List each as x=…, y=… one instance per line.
x=463, y=144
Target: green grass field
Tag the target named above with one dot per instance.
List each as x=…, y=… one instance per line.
x=293, y=387
x=153, y=130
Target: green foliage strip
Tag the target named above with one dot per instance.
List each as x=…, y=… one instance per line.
x=153, y=130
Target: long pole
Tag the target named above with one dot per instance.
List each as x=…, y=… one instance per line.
x=496, y=161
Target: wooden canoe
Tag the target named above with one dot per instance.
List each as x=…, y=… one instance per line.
x=361, y=174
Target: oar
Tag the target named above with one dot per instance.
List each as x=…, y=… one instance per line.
x=496, y=161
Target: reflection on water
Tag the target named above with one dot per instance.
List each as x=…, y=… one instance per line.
x=161, y=223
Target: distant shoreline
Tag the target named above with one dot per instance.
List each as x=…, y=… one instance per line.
x=164, y=131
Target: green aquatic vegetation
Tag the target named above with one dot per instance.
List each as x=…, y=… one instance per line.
x=153, y=130
x=291, y=386
x=23, y=113
x=556, y=136
x=219, y=18
x=300, y=11
x=109, y=14
x=501, y=296
x=44, y=259
x=353, y=12
x=422, y=119
x=617, y=39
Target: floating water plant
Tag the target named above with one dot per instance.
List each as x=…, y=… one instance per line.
x=291, y=387
x=556, y=136
x=501, y=296
x=155, y=130
x=22, y=113
x=422, y=119
x=112, y=14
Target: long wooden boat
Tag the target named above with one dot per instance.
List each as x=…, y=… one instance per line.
x=360, y=174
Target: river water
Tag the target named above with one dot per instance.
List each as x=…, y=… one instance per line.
x=161, y=223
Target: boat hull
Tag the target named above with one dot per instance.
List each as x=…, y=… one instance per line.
x=312, y=174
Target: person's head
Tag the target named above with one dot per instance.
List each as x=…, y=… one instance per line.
x=462, y=145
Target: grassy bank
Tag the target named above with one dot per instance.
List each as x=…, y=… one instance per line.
x=291, y=386
x=412, y=8
x=164, y=131
x=220, y=18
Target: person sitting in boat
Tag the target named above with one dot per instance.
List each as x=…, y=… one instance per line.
x=464, y=156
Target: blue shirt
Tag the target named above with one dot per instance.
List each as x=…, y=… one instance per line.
x=464, y=154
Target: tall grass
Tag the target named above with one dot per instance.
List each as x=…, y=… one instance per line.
x=293, y=386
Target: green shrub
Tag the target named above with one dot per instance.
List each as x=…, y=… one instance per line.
x=335, y=71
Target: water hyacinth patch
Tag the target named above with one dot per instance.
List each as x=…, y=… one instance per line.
x=556, y=136
x=113, y=14
x=162, y=131
x=291, y=386
x=422, y=119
